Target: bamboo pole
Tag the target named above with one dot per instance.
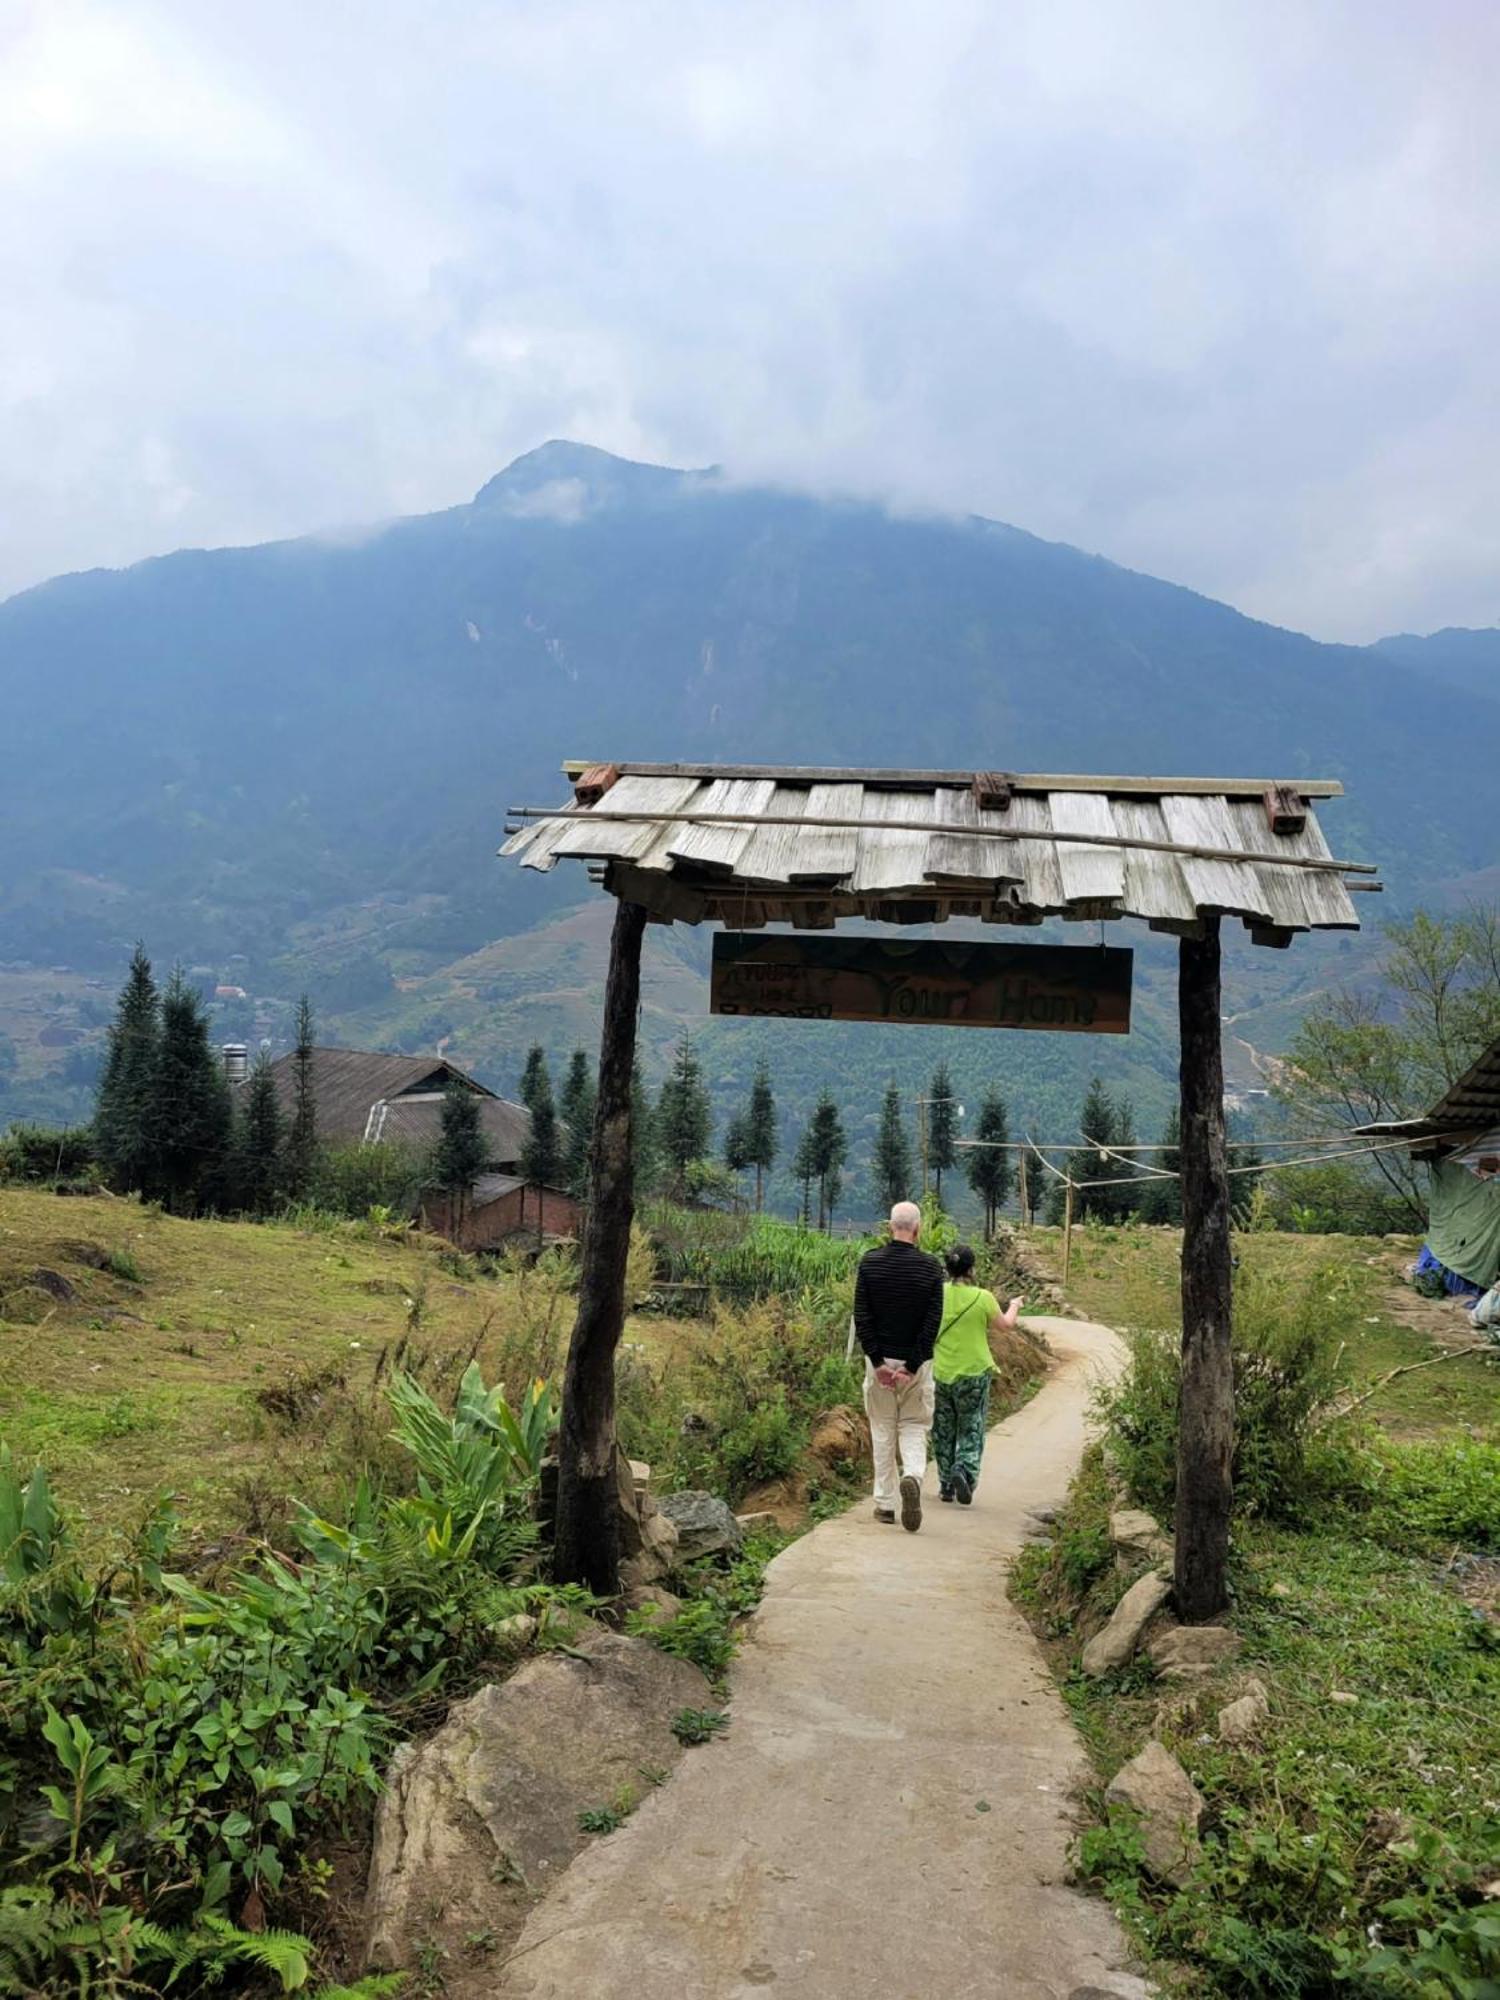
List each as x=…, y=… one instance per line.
x=750, y=821
x=1067, y=1257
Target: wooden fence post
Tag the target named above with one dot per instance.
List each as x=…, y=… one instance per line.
x=1021, y=1193
x=1067, y=1261
x=587, y=1548
x=1205, y=1430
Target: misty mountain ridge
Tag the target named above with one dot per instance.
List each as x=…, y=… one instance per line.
x=300, y=753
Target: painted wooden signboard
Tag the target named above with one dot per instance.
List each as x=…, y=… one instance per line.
x=1068, y=989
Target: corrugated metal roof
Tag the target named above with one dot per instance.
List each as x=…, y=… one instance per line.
x=737, y=847
x=1470, y=1105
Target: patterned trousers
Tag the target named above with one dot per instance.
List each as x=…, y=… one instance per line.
x=958, y=1425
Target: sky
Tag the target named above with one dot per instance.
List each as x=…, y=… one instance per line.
x=1209, y=286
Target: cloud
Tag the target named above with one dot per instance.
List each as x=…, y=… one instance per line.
x=1210, y=289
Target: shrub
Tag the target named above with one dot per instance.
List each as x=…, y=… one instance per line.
x=1422, y=1495
x=350, y=1181
x=1288, y=1366
x=47, y=1153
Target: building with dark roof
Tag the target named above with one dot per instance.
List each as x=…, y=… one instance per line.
x=368, y=1098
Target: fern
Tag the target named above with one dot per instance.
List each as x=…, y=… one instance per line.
x=214, y=1942
x=32, y=1926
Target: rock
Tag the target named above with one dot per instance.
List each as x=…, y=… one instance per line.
x=704, y=1524
x=1344, y=1698
x=515, y=1633
x=841, y=1436
x=1116, y=1644
x=479, y=1819
x=759, y=1524
x=1192, y=1649
x=1137, y=1538
x=55, y=1285
x=1170, y=1805
x=640, y=1472
x=1280, y=1589
x=649, y=1596
x=1243, y=1721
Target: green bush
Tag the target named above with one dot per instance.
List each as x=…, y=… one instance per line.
x=1289, y=1341
x=748, y=1258
x=1438, y=1494
x=351, y=1180
x=47, y=1153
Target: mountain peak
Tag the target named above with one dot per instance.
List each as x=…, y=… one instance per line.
x=562, y=481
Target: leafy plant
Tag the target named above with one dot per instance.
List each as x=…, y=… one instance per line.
x=698, y=1725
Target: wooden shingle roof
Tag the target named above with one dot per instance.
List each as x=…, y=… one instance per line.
x=1468, y=1107
x=747, y=845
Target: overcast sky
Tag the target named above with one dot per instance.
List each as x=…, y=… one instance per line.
x=1209, y=287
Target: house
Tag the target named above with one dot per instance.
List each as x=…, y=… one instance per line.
x=367, y=1098
x=1460, y=1138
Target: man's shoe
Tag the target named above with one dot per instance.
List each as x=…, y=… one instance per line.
x=885, y=1517
x=945, y=1493
x=963, y=1486
x=911, y=1503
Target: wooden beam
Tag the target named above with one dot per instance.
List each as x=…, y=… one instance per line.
x=1031, y=781
x=1205, y=1430
x=587, y=1548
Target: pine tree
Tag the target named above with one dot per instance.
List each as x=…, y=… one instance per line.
x=194, y=1117
x=805, y=1170
x=541, y=1156
x=1124, y=1199
x=645, y=1155
x=1161, y=1200
x=461, y=1153
x=579, y=1097
x=737, y=1146
x=989, y=1169
x=125, y=1137
x=942, y=1126
x=1097, y=1123
x=258, y=1143
x=684, y=1120
x=534, y=1074
x=829, y=1149
x=891, y=1164
x=302, y=1139
x=760, y=1131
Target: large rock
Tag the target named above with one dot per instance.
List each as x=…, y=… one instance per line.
x=1170, y=1805
x=1137, y=1538
x=1244, y=1720
x=1187, y=1650
x=479, y=1819
x=1115, y=1645
x=705, y=1525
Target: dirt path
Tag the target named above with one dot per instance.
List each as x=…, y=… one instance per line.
x=889, y=1814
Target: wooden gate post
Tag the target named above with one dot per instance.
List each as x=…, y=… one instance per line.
x=587, y=1547
x=1205, y=1431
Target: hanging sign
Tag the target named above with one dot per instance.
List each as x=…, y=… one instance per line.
x=1068, y=989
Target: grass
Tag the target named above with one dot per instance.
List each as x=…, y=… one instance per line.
x=1129, y=1277
x=1364, y=1815
x=149, y=1378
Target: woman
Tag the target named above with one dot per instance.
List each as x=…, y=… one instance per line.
x=962, y=1367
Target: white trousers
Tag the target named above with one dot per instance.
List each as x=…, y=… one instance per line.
x=899, y=1422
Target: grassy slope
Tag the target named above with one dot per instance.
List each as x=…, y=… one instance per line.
x=133, y=1387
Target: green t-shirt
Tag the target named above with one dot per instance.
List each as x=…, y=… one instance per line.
x=963, y=1346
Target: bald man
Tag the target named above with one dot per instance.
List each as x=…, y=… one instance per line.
x=898, y=1307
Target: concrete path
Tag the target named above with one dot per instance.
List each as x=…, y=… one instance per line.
x=888, y=1815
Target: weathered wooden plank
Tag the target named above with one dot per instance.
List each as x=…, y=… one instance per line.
x=1214, y=885
x=1301, y=897
x=888, y=858
x=1154, y=883
x=1035, y=860
x=601, y=838
x=1093, y=875
x=1055, y=781
x=720, y=847
x=829, y=854
x=959, y=857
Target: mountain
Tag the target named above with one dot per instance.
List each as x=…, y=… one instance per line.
x=289, y=765
x=1462, y=658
